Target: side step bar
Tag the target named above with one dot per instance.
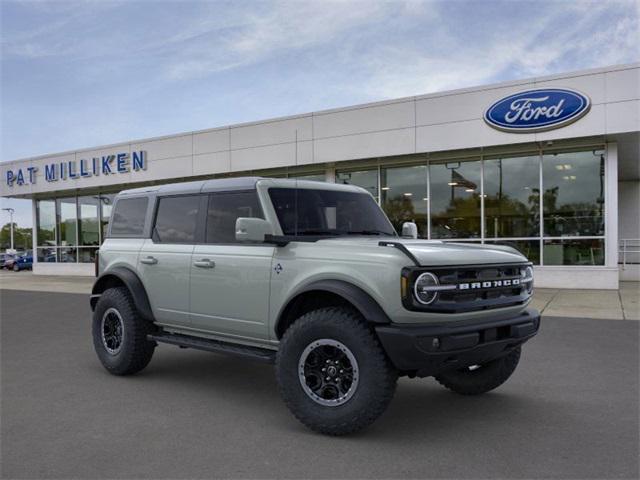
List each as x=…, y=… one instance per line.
x=210, y=345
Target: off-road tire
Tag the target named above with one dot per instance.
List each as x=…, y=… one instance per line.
x=377, y=377
x=481, y=380
x=136, y=351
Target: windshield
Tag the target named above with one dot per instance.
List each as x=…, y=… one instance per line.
x=328, y=212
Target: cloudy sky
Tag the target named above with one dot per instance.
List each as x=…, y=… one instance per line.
x=80, y=74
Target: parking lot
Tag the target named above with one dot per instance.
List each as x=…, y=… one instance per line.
x=569, y=411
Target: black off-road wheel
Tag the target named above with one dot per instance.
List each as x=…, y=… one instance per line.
x=483, y=378
x=120, y=334
x=332, y=373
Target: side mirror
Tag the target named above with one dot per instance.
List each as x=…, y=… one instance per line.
x=251, y=229
x=409, y=230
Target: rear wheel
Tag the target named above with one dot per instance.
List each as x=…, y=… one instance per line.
x=479, y=379
x=120, y=334
x=332, y=373
x=16, y=268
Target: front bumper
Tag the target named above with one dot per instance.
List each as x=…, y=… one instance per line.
x=424, y=350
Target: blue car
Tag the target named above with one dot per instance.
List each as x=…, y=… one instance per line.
x=23, y=262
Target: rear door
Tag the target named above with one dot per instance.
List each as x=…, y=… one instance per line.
x=165, y=259
x=230, y=280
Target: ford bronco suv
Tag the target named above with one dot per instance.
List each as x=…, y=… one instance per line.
x=312, y=277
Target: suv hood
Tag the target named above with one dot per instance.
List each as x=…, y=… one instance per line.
x=440, y=253
x=437, y=253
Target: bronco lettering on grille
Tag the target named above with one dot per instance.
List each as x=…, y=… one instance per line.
x=510, y=282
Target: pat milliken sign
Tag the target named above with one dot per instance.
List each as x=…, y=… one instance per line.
x=117, y=163
x=537, y=110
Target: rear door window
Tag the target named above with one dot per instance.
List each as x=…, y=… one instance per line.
x=129, y=216
x=176, y=219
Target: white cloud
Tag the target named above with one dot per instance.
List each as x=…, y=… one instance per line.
x=527, y=47
x=212, y=38
x=285, y=27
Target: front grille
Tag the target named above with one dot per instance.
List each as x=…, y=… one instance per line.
x=477, y=287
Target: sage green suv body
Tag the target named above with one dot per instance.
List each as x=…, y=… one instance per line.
x=311, y=276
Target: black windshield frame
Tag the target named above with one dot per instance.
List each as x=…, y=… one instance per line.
x=325, y=213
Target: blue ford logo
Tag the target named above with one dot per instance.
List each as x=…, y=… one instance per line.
x=537, y=110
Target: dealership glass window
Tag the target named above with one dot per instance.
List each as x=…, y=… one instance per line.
x=87, y=254
x=176, y=219
x=574, y=251
x=47, y=254
x=88, y=223
x=404, y=196
x=46, y=222
x=129, y=217
x=573, y=193
x=512, y=196
x=455, y=199
x=67, y=254
x=67, y=221
x=367, y=179
x=106, y=203
x=529, y=248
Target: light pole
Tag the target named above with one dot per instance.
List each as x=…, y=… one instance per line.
x=11, y=212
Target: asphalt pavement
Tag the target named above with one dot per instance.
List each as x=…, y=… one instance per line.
x=569, y=411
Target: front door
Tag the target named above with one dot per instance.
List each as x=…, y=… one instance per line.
x=164, y=262
x=230, y=280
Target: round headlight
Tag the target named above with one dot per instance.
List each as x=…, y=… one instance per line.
x=424, y=290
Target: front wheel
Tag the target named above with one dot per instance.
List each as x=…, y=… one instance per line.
x=479, y=379
x=16, y=268
x=120, y=334
x=332, y=372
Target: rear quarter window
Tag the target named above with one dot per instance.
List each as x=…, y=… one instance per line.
x=128, y=217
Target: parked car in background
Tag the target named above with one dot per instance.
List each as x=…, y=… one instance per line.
x=23, y=262
x=3, y=258
x=6, y=260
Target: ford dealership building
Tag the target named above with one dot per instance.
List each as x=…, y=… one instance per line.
x=549, y=165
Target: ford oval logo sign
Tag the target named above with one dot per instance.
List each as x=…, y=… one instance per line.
x=537, y=110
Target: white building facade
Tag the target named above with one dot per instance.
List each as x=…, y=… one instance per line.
x=549, y=165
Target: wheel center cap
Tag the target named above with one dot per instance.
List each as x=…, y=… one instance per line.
x=332, y=371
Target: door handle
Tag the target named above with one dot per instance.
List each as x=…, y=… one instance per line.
x=149, y=260
x=204, y=263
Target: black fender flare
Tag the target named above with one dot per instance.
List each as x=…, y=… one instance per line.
x=356, y=296
x=133, y=283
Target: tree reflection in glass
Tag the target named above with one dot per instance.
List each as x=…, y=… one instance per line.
x=404, y=196
x=573, y=198
x=455, y=199
x=512, y=197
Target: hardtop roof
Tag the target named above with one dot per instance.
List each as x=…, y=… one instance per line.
x=231, y=184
